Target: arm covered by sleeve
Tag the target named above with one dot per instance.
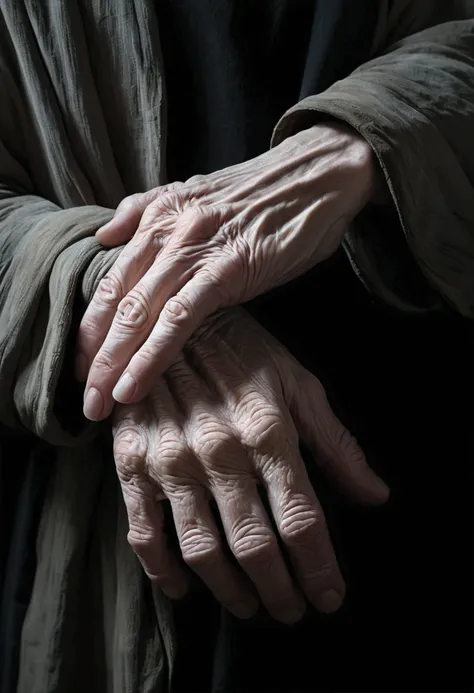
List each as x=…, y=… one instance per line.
x=414, y=104
x=49, y=263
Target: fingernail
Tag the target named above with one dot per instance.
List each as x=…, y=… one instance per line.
x=291, y=615
x=81, y=367
x=125, y=389
x=93, y=404
x=244, y=610
x=329, y=601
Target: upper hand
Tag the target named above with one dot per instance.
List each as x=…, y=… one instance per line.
x=225, y=418
x=214, y=241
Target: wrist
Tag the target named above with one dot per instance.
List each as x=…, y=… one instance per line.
x=379, y=194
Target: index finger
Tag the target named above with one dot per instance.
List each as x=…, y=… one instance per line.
x=179, y=318
x=130, y=266
x=146, y=533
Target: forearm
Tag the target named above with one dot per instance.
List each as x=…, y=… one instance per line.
x=425, y=150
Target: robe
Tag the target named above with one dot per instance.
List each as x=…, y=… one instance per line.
x=82, y=125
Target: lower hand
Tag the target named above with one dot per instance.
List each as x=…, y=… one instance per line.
x=226, y=418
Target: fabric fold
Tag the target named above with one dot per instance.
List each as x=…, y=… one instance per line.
x=415, y=106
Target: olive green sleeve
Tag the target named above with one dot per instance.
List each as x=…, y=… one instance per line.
x=414, y=104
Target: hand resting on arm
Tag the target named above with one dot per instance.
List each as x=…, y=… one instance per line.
x=211, y=242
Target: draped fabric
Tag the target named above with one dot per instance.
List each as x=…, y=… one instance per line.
x=83, y=123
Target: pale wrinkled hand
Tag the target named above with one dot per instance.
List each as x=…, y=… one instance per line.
x=215, y=241
x=225, y=418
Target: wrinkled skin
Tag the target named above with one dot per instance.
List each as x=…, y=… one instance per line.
x=211, y=242
x=225, y=418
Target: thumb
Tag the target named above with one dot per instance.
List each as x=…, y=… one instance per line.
x=125, y=221
x=128, y=214
x=335, y=450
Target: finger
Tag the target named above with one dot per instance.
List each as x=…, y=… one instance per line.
x=130, y=267
x=132, y=263
x=147, y=538
x=182, y=477
x=146, y=529
x=254, y=545
x=123, y=224
x=229, y=477
x=131, y=323
x=128, y=214
x=302, y=528
x=270, y=436
x=334, y=448
x=202, y=551
x=179, y=318
x=189, y=296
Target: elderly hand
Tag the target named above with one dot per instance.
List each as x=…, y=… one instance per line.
x=224, y=419
x=214, y=241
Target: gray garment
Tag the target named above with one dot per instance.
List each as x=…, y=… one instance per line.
x=82, y=124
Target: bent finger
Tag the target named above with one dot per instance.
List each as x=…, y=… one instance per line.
x=132, y=263
x=334, y=448
x=202, y=551
x=130, y=267
x=146, y=533
x=132, y=322
x=128, y=214
x=302, y=528
x=147, y=538
x=181, y=315
x=254, y=545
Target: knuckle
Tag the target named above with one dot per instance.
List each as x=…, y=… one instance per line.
x=109, y=290
x=176, y=460
x=177, y=312
x=139, y=539
x=346, y=441
x=104, y=361
x=301, y=524
x=214, y=446
x=129, y=465
x=266, y=431
x=148, y=241
x=199, y=548
x=168, y=202
x=130, y=452
x=252, y=543
x=342, y=442
x=197, y=223
x=134, y=310
x=195, y=215
x=161, y=212
x=130, y=438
